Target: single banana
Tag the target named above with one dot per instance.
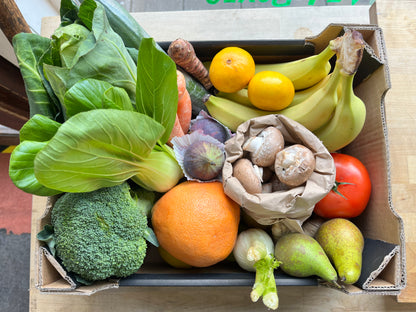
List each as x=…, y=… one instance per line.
x=230, y=113
x=348, y=119
x=306, y=72
x=317, y=109
x=240, y=96
x=302, y=95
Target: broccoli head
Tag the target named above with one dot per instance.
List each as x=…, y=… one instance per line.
x=100, y=234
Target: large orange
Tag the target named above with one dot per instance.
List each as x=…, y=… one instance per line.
x=196, y=223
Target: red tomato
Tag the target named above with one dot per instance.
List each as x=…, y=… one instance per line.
x=351, y=192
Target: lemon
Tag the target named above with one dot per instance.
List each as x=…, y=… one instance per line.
x=270, y=90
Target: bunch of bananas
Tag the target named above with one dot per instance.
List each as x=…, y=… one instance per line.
x=324, y=101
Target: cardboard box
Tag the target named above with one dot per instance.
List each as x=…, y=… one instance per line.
x=384, y=269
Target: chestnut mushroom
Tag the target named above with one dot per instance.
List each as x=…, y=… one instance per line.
x=245, y=173
x=264, y=147
x=294, y=164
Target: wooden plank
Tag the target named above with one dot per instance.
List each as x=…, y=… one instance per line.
x=8, y=136
x=14, y=107
x=397, y=19
x=11, y=19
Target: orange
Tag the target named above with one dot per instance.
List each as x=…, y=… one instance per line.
x=271, y=91
x=196, y=223
x=231, y=69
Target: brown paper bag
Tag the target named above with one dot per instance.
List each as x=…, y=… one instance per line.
x=291, y=207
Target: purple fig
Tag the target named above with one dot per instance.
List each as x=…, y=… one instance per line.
x=200, y=156
x=203, y=160
x=209, y=126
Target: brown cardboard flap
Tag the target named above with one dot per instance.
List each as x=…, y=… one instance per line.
x=377, y=255
x=54, y=279
x=49, y=267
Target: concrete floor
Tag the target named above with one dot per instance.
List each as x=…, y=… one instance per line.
x=15, y=228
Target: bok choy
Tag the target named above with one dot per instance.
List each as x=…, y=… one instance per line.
x=114, y=114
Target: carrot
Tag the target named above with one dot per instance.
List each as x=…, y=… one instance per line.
x=183, y=53
x=176, y=131
x=181, y=83
x=184, y=112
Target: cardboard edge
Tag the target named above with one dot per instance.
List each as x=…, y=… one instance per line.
x=65, y=284
x=401, y=265
x=402, y=259
x=376, y=49
x=84, y=291
x=46, y=255
x=368, y=284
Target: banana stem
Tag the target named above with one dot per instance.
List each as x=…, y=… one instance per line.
x=326, y=54
x=349, y=50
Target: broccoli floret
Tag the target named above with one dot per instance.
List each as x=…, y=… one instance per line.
x=100, y=234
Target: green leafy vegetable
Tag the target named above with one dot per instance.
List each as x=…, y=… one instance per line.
x=86, y=13
x=39, y=128
x=124, y=24
x=91, y=94
x=34, y=135
x=107, y=136
x=68, y=12
x=101, y=55
x=145, y=199
x=115, y=97
x=159, y=171
x=21, y=169
x=67, y=41
x=46, y=236
x=97, y=148
x=156, y=89
x=29, y=49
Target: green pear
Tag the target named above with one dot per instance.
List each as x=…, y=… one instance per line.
x=343, y=242
x=302, y=256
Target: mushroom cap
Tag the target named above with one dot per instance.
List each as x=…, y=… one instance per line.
x=244, y=171
x=264, y=147
x=294, y=164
